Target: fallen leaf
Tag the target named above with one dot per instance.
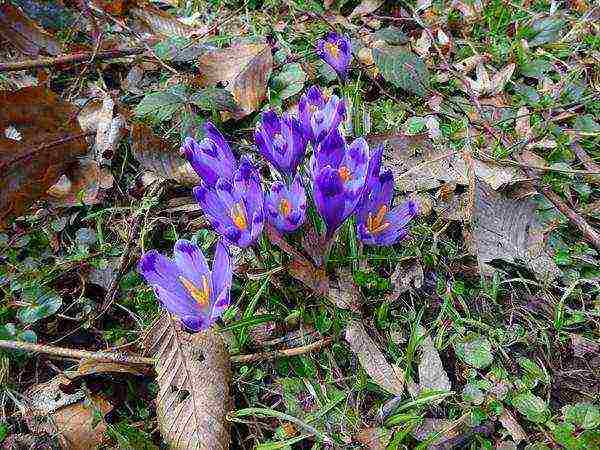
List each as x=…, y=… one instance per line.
x=429, y=427
x=372, y=360
x=512, y=426
x=156, y=155
x=486, y=86
x=432, y=375
x=245, y=68
x=588, y=163
x=24, y=33
x=507, y=229
x=403, y=69
x=583, y=346
x=365, y=7
x=522, y=123
x=193, y=373
x=77, y=419
x=85, y=183
x=89, y=367
x=343, y=292
x=109, y=126
x=79, y=426
x=374, y=438
x=404, y=278
x=300, y=267
x=163, y=23
x=50, y=140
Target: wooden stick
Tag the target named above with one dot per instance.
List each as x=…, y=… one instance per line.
x=132, y=359
x=72, y=58
x=588, y=231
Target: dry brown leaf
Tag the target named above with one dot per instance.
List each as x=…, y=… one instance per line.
x=512, y=426
x=583, y=346
x=47, y=142
x=343, y=292
x=486, y=86
x=193, y=373
x=89, y=367
x=430, y=427
x=78, y=425
x=245, y=68
x=110, y=126
x=432, y=375
x=86, y=183
x=372, y=360
x=418, y=164
x=24, y=33
x=72, y=416
x=374, y=438
x=522, y=123
x=507, y=229
x=405, y=277
x=365, y=7
x=300, y=267
x=156, y=155
x=163, y=23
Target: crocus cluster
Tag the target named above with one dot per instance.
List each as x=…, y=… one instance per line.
x=345, y=179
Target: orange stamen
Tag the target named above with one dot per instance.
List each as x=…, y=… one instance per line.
x=377, y=224
x=345, y=174
x=238, y=216
x=332, y=49
x=285, y=207
x=200, y=295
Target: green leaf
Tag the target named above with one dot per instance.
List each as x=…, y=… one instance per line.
x=43, y=304
x=212, y=98
x=586, y=123
x=289, y=82
x=392, y=36
x=475, y=350
x=584, y=415
x=547, y=30
x=403, y=69
x=160, y=106
x=532, y=407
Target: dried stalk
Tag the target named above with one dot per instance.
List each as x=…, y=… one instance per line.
x=132, y=359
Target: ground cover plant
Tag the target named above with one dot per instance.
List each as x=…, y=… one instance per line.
x=300, y=224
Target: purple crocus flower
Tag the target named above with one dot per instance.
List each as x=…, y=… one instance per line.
x=285, y=206
x=186, y=287
x=281, y=141
x=336, y=50
x=212, y=157
x=235, y=208
x=378, y=223
x=340, y=175
x=319, y=116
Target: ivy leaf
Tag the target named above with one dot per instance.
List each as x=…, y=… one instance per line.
x=403, y=69
x=160, y=106
x=532, y=407
x=547, y=30
x=584, y=415
x=475, y=350
x=43, y=304
x=212, y=98
x=289, y=82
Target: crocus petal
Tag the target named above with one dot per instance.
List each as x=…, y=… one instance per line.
x=222, y=271
x=223, y=147
x=330, y=198
x=336, y=50
x=191, y=261
x=286, y=206
x=195, y=323
x=179, y=305
x=159, y=270
x=331, y=151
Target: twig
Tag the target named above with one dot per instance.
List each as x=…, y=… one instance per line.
x=265, y=356
x=128, y=358
x=72, y=58
x=586, y=229
x=118, y=357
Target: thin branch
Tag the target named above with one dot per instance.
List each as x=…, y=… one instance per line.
x=132, y=359
x=591, y=235
x=73, y=58
x=265, y=356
